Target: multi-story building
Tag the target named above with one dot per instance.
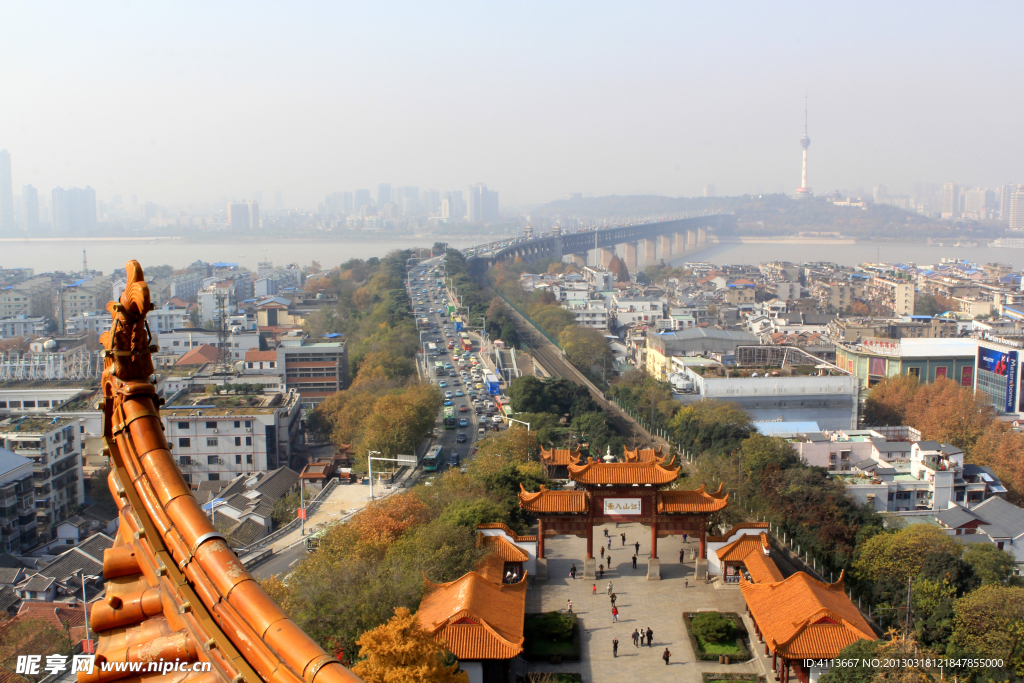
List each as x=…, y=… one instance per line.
x=315, y=370
x=630, y=310
x=872, y=360
x=159, y=320
x=663, y=346
x=82, y=296
x=834, y=296
x=589, y=313
x=74, y=209
x=244, y=215
x=483, y=204
x=30, y=198
x=53, y=446
x=33, y=297
x=895, y=293
x=1016, y=215
x=22, y=326
x=18, y=530
x=950, y=201
x=215, y=439
x=177, y=342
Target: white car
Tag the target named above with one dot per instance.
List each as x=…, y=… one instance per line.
x=496, y=420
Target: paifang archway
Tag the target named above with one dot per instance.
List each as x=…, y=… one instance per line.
x=625, y=492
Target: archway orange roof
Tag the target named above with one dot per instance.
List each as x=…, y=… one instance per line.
x=623, y=473
x=553, y=501
x=560, y=456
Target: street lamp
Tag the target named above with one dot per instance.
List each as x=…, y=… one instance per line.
x=512, y=419
x=370, y=459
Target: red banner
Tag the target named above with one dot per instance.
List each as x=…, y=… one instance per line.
x=302, y=513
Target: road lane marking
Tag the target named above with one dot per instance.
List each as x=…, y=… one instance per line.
x=293, y=563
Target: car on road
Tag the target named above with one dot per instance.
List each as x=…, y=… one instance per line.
x=451, y=373
x=448, y=394
x=482, y=420
x=481, y=431
x=459, y=393
x=447, y=401
x=463, y=422
x=453, y=460
x=442, y=384
x=478, y=410
x=463, y=409
x=461, y=438
x=496, y=419
x=478, y=385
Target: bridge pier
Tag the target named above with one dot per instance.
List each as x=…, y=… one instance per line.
x=630, y=256
x=606, y=256
x=650, y=252
x=680, y=242
x=702, y=236
x=579, y=259
x=666, y=247
x=691, y=240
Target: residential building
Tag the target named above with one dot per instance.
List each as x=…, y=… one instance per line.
x=23, y=326
x=18, y=528
x=178, y=341
x=82, y=296
x=636, y=310
x=215, y=439
x=242, y=510
x=74, y=209
x=950, y=201
x=54, y=447
x=927, y=359
x=1016, y=216
x=483, y=204
x=896, y=294
x=244, y=216
x=589, y=313
x=30, y=198
x=33, y=297
x=697, y=341
x=315, y=370
x=993, y=520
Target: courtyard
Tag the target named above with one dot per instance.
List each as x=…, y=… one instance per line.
x=642, y=604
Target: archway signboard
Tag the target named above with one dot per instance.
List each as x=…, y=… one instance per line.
x=625, y=492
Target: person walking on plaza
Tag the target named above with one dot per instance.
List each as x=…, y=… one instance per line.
x=600, y=571
x=650, y=636
x=593, y=589
x=637, y=546
x=636, y=638
x=615, y=647
x=665, y=655
x=572, y=570
x=686, y=583
x=602, y=552
x=682, y=555
x=569, y=606
x=609, y=591
x=684, y=538
x=623, y=539
x=614, y=597
x=634, y=562
x=609, y=543
x=615, y=614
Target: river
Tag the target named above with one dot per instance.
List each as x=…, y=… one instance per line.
x=849, y=254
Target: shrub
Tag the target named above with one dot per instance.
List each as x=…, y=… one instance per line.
x=712, y=627
x=553, y=626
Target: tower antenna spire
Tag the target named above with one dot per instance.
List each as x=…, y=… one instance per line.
x=803, y=191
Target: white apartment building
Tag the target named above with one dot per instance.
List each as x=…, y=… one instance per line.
x=22, y=326
x=213, y=440
x=589, y=313
x=18, y=529
x=54, y=447
x=82, y=296
x=177, y=342
x=599, y=278
x=32, y=297
x=630, y=310
x=160, y=320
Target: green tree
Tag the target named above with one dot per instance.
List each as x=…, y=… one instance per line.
x=901, y=554
x=710, y=426
x=989, y=622
x=990, y=564
x=761, y=454
x=712, y=627
x=585, y=347
x=859, y=652
x=323, y=321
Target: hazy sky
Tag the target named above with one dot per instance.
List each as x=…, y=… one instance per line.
x=179, y=102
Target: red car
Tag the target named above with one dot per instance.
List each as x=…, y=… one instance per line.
x=463, y=409
x=451, y=345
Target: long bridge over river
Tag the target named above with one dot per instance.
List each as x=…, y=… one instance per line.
x=644, y=244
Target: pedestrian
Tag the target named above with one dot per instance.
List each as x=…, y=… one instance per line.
x=602, y=552
x=614, y=597
x=634, y=562
x=637, y=546
x=606, y=533
x=636, y=638
x=665, y=655
x=609, y=592
x=650, y=636
x=593, y=589
x=569, y=606
x=615, y=647
x=684, y=538
x=686, y=583
x=615, y=614
x=572, y=571
x=623, y=539
x=609, y=543
x=600, y=571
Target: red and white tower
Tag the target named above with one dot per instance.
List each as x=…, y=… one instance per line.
x=805, y=142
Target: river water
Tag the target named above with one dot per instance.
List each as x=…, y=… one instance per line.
x=109, y=253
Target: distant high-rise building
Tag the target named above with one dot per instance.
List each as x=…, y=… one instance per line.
x=455, y=203
x=30, y=196
x=975, y=203
x=950, y=201
x=238, y=216
x=362, y=198
x=278, y=201
x=254, y=215
x=6, y=193
x=383, y=194
x=74, y=209
x=805, y=142
x=709, y=190
x=430, y=202
x=880, y=194
x=337, y=203
x=1017, y=210
x=482, y=205
x=1005, y=195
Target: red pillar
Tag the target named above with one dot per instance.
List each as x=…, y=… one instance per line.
x=766, y=650
x=590, y=538
x=540, y=538
x=654, y=539
x=775, y=663
x=703, y=539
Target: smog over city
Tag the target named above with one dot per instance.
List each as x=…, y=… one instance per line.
x=461, y=342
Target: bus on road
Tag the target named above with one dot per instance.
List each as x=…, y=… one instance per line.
x=467, y=343
x=439, y=370
x=449, y=417
x=432, y=348
x=433, y=459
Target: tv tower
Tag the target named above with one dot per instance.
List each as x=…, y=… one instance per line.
x=803, y=191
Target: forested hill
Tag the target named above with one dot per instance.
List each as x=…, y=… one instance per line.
x=777, y=214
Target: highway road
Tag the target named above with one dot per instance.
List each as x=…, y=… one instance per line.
x=281, y=563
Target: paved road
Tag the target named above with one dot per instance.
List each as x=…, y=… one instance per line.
x=280, y=564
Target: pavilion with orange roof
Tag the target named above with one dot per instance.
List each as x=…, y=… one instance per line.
x=625, y=492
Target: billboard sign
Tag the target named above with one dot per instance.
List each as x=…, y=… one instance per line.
x=1011, y=382
x=622, y=506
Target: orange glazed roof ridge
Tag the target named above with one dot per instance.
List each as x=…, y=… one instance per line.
x=508, y=530
x=735, y=528
x=476, y=618
x=553, y=501
x=503, y=549
x=802, y=617
x=175, y=590
x=699, y=500
x=626, y=473
x=559, y=456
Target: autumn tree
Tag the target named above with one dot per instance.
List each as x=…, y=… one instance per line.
x=585, y=347
x=1002, y=448
x=989, y=622
x=402, y=651
x=515, y=444
x=991, y=565
x=945, y=411
x=889, y=400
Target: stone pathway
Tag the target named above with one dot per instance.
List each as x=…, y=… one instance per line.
x=642, y=604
